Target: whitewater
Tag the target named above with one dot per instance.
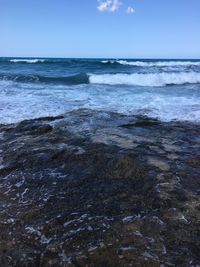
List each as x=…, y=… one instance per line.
x=164, y=89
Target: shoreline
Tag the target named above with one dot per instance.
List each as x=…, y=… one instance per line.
x=91, y=188
x=128, y=117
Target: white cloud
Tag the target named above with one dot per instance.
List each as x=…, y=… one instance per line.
x=108, y=5
x=130, y=10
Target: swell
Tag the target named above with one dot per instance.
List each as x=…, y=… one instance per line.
x=134, y=79
x=69, y=80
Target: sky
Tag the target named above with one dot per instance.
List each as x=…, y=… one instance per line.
x=100, y=28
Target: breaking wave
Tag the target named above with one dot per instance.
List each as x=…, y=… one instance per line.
x=154, y=79
x=134, y=79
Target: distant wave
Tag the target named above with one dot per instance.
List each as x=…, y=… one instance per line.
x=58, y=61
x=152, y=64
x=27, y=60
x=154, y=79
x=107, y=62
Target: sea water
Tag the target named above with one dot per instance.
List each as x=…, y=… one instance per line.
x=35, y=87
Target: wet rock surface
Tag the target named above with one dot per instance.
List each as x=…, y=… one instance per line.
x=99, y=189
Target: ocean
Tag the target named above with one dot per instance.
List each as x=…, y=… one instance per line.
x=164, y=89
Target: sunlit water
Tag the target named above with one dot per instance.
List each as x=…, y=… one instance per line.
x=167, y=90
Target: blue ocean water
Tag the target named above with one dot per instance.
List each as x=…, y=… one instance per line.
x=164, y=89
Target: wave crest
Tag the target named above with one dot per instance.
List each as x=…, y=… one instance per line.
x=134, y=79
x=31, y=61
x=153, y=79
x=152, y=64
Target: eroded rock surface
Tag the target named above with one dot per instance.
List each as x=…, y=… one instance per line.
x=99, y=189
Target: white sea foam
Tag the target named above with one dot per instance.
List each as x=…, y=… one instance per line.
x=154, y=64
x=35, y=60
x=19, y=101
x=150, y=79
x=108, y=61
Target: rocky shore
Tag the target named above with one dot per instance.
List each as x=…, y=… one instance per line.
x=99, y=189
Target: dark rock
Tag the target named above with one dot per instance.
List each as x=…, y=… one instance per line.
x=35, y=128
x=142, y=123
x=87, y=192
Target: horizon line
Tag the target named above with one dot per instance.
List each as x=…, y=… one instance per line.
x=132, y=58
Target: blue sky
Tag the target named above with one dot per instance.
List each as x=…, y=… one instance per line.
x=106, y=28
